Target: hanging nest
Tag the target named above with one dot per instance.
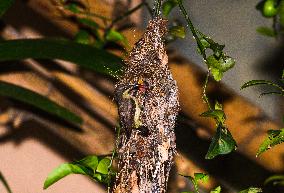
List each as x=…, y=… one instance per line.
x=147, y=98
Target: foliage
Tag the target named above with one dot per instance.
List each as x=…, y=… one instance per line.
x=204, y=178
x=39, y=101
x=274, y=137
x=86, y=56
x=275, y=180
x=279, y=89
x=251, y=190
x=88, y=51
x=272, y=9
x=97, y=168
x=197, y=178
x=218, y=63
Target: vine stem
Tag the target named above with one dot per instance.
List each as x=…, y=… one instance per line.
x=127, y=13
x=201, y=48
x=192, y=29
x=204, y=94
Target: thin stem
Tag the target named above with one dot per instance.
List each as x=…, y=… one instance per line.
x=127, y=13
x=200, y=46
x=118, y=128
x=192, y=29
x=124, y=15
x=204, y=94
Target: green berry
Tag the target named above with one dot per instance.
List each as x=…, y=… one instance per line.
x=270, y=8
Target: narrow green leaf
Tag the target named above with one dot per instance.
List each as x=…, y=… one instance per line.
x=5, y=5
x=201, y=177
x=222, y=143
x=83, y=55
x=88, y=22
x=266, y=31
x=62, y=171
x=114, y=36
x=251, y=190
x=177, y=31
x=168, y=6
x=73, y=7
x=5, y=183
x=269, y=93
x=275, y=179
x=82, y=37
x=37, y=100
x=104, y=166
x=259, y=82
x=216, y=190
x=274, y=137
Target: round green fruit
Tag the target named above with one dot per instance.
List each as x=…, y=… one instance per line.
x=270, y=8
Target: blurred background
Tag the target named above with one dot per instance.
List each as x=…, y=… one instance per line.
x=32, y=143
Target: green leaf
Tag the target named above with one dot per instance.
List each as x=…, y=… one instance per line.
x=219, y=66
x=37, y=100
x=216, y=114
x=275, y=179
x=251, y=190
x=98, y=177
x=216, y=190
x=62, y=171
x=215, y=47
x=73, y=7
x=266, y=31
x=259, y=82
x=89, y=166
x=177, y=31
x=5, y=183
x=201, y=177
x=114, y=36
x=82, y=37
x=104, y=166
x=5, y=5
x=205, y=43
x=168, y=6
x=218, y=106
x=90, y=162
x=223, y=64
x=217, y=74
x=274, y=137
x=83, y=55
x=88, y=22
x=222, y=143
x=269, y=93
